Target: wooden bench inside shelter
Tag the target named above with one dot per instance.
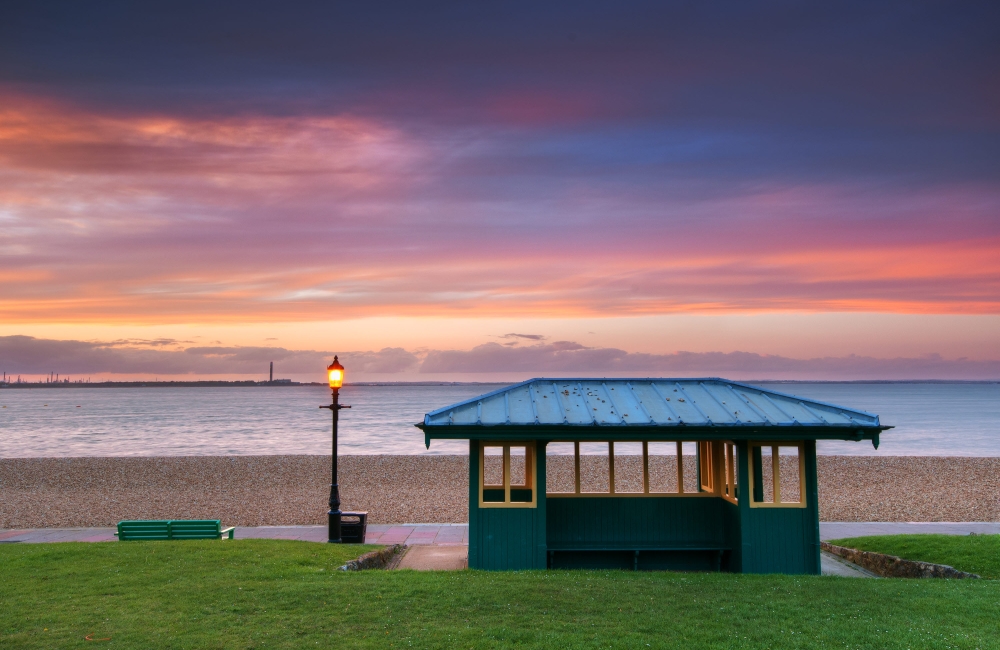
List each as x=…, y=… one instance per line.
x=164, y=529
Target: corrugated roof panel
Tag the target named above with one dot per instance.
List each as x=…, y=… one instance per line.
x=769, y=411
x=734, y=407
x=493, y=409
x=709, y=404
x=644, y=402
x=801, y=414
x=653, y=404
x=678, y=398
x=521, y=410
x=465, y=414
x=743, y=404
x=571, y=396
x=600, y=403
x=626, y=403
x=547, y=403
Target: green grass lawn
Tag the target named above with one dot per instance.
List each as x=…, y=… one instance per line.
x=286, y=594
x=973, y=553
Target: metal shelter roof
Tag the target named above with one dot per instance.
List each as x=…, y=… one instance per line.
x=634, y=404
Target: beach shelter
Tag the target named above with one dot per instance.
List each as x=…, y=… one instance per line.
x=687, y=474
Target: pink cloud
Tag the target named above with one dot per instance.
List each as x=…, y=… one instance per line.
x=160, y=218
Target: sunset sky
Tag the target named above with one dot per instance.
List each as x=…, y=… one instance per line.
x=496, y=191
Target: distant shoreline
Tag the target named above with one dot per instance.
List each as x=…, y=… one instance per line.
x=284, y=384
x=234, y=384
x=152, y=384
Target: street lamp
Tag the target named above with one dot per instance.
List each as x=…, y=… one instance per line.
x=335, y=373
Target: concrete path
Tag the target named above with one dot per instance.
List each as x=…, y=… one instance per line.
x=445, y=546
x=409, y=534
x=39, y=535
x=839, y=530
x=435, y=558
x=458, y=534
x=833, y=565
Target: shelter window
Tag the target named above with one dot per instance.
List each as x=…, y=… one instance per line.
x=596, y=471
x=628, y=468
x=507, y=476
x=672, y=467
x=777, y=475
x=623, y=468
x=561, y=475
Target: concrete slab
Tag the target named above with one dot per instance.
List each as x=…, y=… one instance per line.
x=435, y=558
x=832, y=565
x=838, y=530
x=458, y=534
x=301, y=533
x=49, y=535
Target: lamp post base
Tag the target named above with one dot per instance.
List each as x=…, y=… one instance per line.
x=333, y=536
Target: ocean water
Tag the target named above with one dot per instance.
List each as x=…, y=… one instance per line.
x=930, y=419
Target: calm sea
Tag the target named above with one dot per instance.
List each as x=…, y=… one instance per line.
x=930, y=419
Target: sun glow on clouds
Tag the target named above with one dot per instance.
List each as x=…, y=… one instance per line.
x=169, y=219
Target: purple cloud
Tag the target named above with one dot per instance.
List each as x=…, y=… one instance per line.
x=564, y=357
x=33, y=356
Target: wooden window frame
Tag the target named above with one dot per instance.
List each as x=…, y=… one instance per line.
x=776, y=475
x=530, y=474
x=706, y=466
x=729, y=457
x=645, y=474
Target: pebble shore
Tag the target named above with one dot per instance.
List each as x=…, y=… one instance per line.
x=287, y=490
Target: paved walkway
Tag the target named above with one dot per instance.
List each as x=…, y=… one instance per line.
x=833, y=565
x=409, y=534
x=458, y=534
x=445, y=546
x=435, y=558
x=838, y=530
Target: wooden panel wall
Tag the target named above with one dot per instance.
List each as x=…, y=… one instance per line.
x=634, y=522
x=759, y=540
x=733, y=560
x=779, y=540
x=505, y=539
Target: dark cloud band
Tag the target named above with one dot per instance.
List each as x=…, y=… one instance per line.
x=32, y=356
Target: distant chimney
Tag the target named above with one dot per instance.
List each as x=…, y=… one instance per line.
x=271, y=378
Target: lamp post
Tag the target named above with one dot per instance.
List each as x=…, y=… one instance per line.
x=335, y=373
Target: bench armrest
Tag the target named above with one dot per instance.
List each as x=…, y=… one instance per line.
x=229, y=530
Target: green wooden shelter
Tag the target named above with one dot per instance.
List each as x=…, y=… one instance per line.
x=688, y=474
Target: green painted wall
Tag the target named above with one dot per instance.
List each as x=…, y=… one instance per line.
x=634, y=522
x=733, y=560
x=605, y=531
x=779, y=540
x=505, y=538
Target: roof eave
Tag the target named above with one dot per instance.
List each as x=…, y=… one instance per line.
x=653, y=433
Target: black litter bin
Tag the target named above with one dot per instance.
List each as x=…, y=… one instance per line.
x=352, y=527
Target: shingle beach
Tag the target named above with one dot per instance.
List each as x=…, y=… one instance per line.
x=285, y=490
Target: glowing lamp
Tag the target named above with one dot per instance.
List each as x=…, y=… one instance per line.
x=336, y=373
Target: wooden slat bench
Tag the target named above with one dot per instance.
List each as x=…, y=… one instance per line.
x=712, y=553
x=173, y=529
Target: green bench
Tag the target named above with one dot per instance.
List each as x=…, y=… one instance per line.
x=173, y=529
